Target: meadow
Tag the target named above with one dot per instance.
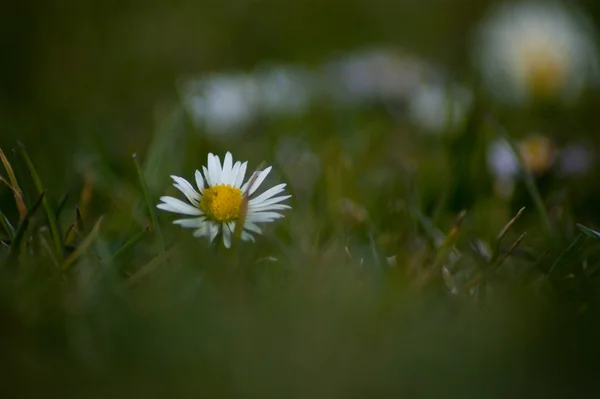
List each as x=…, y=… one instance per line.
x=443, y=230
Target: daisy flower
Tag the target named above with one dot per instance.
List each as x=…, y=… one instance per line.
x=575, y=159
x=217, y=205
x=222, y=104
x=503, y=163
x=538, y=153
x=536, y=51
x=435, y=108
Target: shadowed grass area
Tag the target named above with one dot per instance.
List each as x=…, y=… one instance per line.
x=407, y=266
x=333, y=301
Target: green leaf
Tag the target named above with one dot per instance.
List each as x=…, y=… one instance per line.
x=54, y=228
x=130, y=243
x=588, y=232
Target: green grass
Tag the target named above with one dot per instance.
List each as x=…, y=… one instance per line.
x=398, y=272
x=395, y=295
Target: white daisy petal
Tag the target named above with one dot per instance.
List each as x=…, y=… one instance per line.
x=214, y=170
x=262, y=217
x=213, y=230
x=250, y=180
x=271, y=207
x=210, y=166
x=234, y=172
x=199, y=181
x=191, y=198
x=194, y=223
x=268, y=194
x=259, y=180
x=241, y=174
x=269, y=201
x=247, y=237
x=218, y=169
x=175, y=205
x=207, y=177
x=252, y=227
x=226, y=173
x=231, y=226
x=202, y=231
x=226, y=235
x=186, y=188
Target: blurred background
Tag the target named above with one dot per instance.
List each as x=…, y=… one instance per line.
x=386, y=119
x=104, y=76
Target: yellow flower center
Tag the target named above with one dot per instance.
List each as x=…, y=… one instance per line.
x=537, y=153
x=221, y=203
x=545, y=73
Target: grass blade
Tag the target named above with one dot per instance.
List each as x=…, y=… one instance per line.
x=150, y=266
x=68, y=233
x=150, y=204
x=14, y=185
x=588, y=232
x=475, y=281
x=130, y=243
x=54, y=229
x=10, y=230
x=527, y=178
x=61, y=206
x=82, y=247
x=514, y=246
x=79, y=221
x=76, y=230
x=503, y=233
x=48, y=249
x=558, y=263
x=448, y=245
x=18, y=237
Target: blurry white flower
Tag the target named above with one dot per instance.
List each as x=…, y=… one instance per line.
x=536, y=50
x=502, y=161
x=372, y=75
x=575, y=159
x=222, y=103
x=538, y=153
x=283, y=90
x=219, y=204
x=435, y=108
x=503, y=164
x=225, y=103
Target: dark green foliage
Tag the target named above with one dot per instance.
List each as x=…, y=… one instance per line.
x=398, y=273
x=362, y=311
